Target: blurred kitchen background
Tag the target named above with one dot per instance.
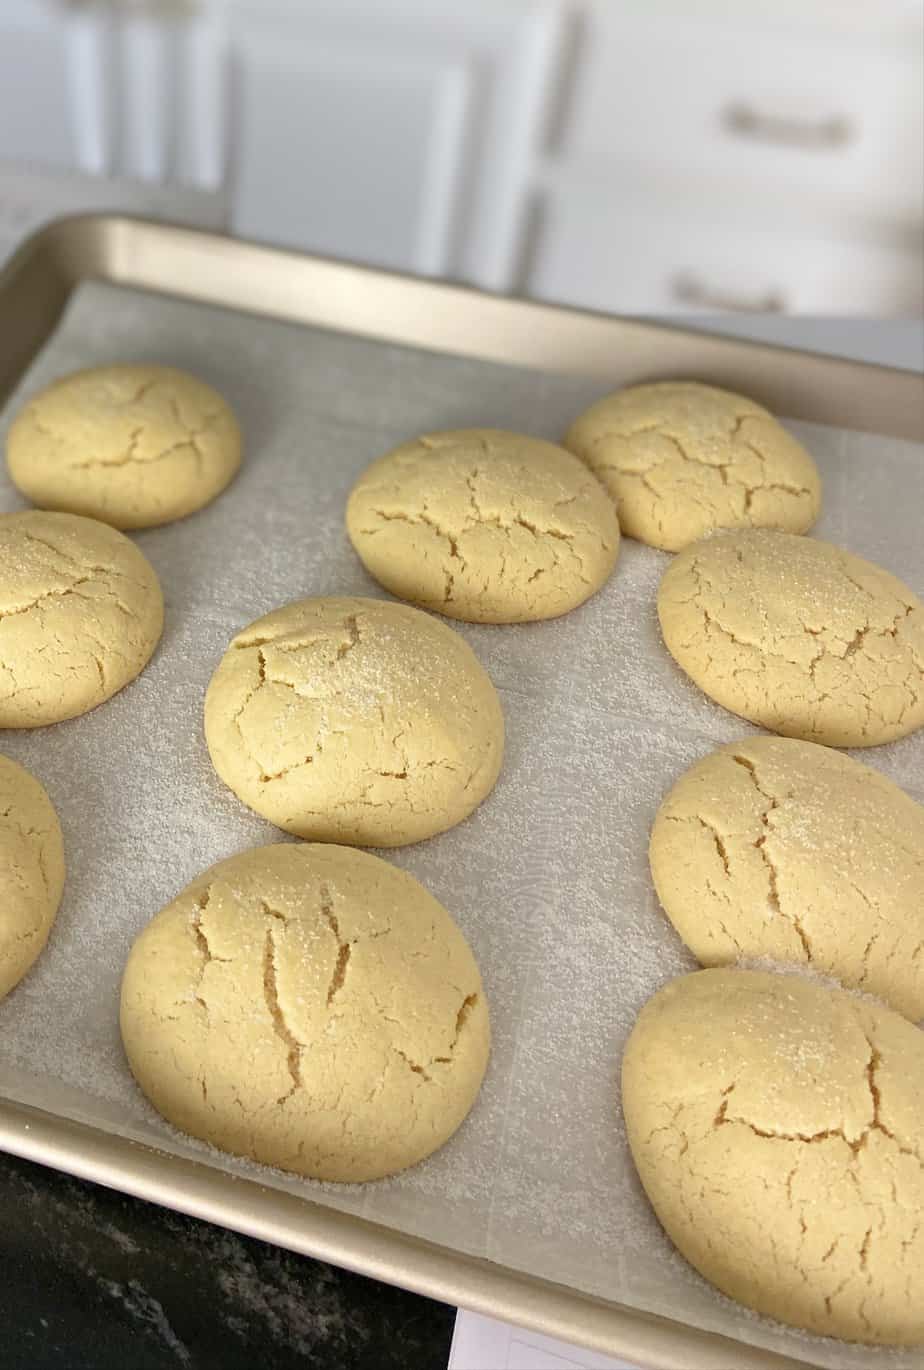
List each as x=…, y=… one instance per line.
x=638, y=156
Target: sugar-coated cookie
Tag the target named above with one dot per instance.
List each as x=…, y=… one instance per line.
x=133, y=446
x=797, y=635
x=311, y=1007
x=354, y=720
x=682, y=459
x=31, y=871
x=776, y=1127
x=769, y=847
x=484, y=525
x=81, y=612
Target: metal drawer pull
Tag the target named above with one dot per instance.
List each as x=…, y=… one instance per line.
x=686, y=289
x=745, y=122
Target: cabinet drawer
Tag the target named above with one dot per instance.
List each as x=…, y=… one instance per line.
x=660, y=256
x=789, y=104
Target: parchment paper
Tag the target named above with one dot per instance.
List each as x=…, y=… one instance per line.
x=549, y=878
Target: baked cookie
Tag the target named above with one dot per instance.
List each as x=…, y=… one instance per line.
x=31, y=871
x=774, y=848
x=311, y=1007
x=81, y=612
x=484, y=525
x=133, y=446
x=354, y=720
x=798, y=636
x=682, y=459
x=776, y=1127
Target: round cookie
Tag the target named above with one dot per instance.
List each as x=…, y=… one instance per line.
x=798, y=636
x=31, y=871
x=774, y=848
x=311, y=1007
x=484, y=525
x=133, y=446
x=81, y=612
x=775, y=1124
x=354, y=720
x=682, y=459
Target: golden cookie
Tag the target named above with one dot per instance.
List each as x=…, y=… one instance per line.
x=81, y=612
x=484, y=525
x=774, y=848
x=776, y=1126
x=133, y=446
x=311, y=1007
x=31, y=871
x=354, y=720
x=682, y=459
x=798, y=636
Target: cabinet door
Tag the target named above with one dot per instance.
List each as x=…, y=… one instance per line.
x=51, y=87
x=400, y=135
x=344, y=154
x=806, y=106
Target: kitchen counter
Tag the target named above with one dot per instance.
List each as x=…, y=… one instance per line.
x=91, y=1279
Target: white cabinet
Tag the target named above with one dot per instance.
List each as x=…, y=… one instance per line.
x=631, y=155
x=401, y=134
x=373, y=152
x=758, y=100
x=639, y=252
x=51, y=91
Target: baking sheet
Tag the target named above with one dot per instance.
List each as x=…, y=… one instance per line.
x=548, y=879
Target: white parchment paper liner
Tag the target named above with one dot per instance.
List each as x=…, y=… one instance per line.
x=549, y=879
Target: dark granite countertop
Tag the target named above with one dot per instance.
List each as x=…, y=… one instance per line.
x=91, y=1279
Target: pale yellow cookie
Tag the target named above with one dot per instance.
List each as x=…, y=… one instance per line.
x=798, y=636
x=776, y=1126
x=484, y=525
x=81, y=612
x=682, y=459
x=31, y=871
x=133, y=446
x=354, y=720
x=774, y=848
x=311, y=1007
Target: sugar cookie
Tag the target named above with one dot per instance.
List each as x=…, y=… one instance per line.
x=798, y=636
x=784, y=849
x=31, y=871
x=354, y=720
x=484, y=525
x=81, y=611
x=133, y=446
x=682, y=459
x=776, y=1126
x=311, y=1007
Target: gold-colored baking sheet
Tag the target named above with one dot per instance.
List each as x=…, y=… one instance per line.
x=532, y=1212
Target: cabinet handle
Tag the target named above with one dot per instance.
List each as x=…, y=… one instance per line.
x=743, y=121
x=688, y=289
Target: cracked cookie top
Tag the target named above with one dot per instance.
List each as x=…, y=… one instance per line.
x=776, y=1127
x=311, y=1007
x=134, y=446
x=774, y=848
x=81, y=612
x=484, y=525
x=31, y=871
x=797, y=635
x=354, y=720
x=682, y=459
